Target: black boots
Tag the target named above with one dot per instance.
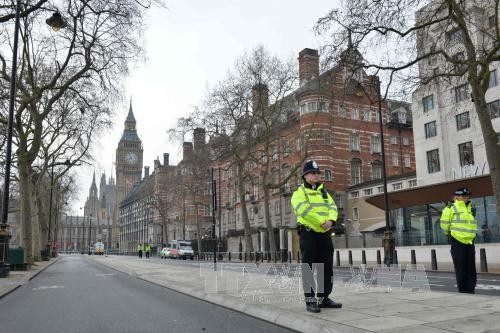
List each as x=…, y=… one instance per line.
x=312, y=307
x=328, y=303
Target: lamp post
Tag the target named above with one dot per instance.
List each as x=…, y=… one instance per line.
x=5, y=232
x=90, y=232
x=214, y=209
x=388, y=241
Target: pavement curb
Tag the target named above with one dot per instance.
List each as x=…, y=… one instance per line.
x=294, y=321
x=31, y=276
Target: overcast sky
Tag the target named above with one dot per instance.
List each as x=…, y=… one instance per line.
x=190, y=46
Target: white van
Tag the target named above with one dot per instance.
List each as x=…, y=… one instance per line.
x=180, y=249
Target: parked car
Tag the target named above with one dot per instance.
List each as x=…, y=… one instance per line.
x=164, y=253
x=180, y=249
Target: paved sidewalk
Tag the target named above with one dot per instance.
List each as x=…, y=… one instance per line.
x=373, y=310
x=18, y=278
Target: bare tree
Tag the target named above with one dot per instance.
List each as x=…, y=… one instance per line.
x=85, y=62
x=444, y=41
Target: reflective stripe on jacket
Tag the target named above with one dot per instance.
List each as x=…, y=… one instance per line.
x=458, y=221
x=312, y=209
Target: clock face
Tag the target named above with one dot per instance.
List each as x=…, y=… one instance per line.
x=130, y=157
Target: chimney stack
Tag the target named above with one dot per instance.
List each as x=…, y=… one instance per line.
x=146, y=172
x=308, y=65
x=165, y=159
x=187, y=150
x=198, y=138
x=260, y=97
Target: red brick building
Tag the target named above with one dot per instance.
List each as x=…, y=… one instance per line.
x=335, y=113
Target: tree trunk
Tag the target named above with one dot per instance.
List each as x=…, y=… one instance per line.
x=491, y=145
x=42, y=219
x=25, y=196
x=244, y=214
x=269, y=223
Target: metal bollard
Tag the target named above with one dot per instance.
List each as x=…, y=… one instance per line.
x=363, y=257
x=338, y=258
x=413, y=257
x=434, y=264
x=482, y=260
x=245, y=257
x=229, y=256
x=379, y=258
x=290, y=257
x=395, y=257
x=240, y=256
x=298, y=257
x=350, y=258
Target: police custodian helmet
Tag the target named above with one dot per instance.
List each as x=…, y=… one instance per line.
x=310, y=166
x=462, y=191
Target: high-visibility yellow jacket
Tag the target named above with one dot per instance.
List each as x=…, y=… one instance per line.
x=457, y=220
x=139, y=248
x=313, y=208
x=148, y=248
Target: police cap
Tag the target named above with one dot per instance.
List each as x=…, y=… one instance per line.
x=310, y=166
x=462, y=191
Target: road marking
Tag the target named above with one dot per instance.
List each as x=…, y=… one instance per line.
x=48, y=287
x=105, y=274
x=487, y=287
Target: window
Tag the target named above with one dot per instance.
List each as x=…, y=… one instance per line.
x=430, y=129
x=338, y=200
x=375, y=144
x=328, y=175
x=466, y=153
x=342, y=111
x=380, y=189
x=277, y=208
x=461, y=93
x=394, y=140
x=275, y=152
x=354, y=141
x=355, y=213
x=463, y=121
x=491, y=21
x=367, y=115
x=377, y=117
x=407, y=160
x=397, y=186
x=454, y=35
x=286, y=147
x=287, y=206
x=376, y=170
x=493, y=79
x=494, y=109
x=355, y=113
x=428, y=103
x=433, y=161
x=355, y=171
x=355, y=194
x=395, y=159
x=328, y=138
x=412, y=183
x=368, y=191
x=402, y=117
x=406, y=141
x=459, y=58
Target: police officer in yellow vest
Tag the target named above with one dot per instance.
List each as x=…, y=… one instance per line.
x=148, y=250
x=316, y=213
x=139, y=250
x=458, y=221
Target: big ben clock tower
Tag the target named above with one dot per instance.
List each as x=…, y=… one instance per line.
x=128, y=166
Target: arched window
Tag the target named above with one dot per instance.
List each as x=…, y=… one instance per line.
x=376, y=169
x=355, y=171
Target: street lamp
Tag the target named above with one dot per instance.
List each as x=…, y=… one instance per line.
x=5, y=232
x=388, y=241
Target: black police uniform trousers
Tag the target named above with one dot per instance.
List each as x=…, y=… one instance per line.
x=464, y=260
x=316, y=248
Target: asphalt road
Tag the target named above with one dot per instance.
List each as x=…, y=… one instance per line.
x=487, y=284
x=78, y=295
